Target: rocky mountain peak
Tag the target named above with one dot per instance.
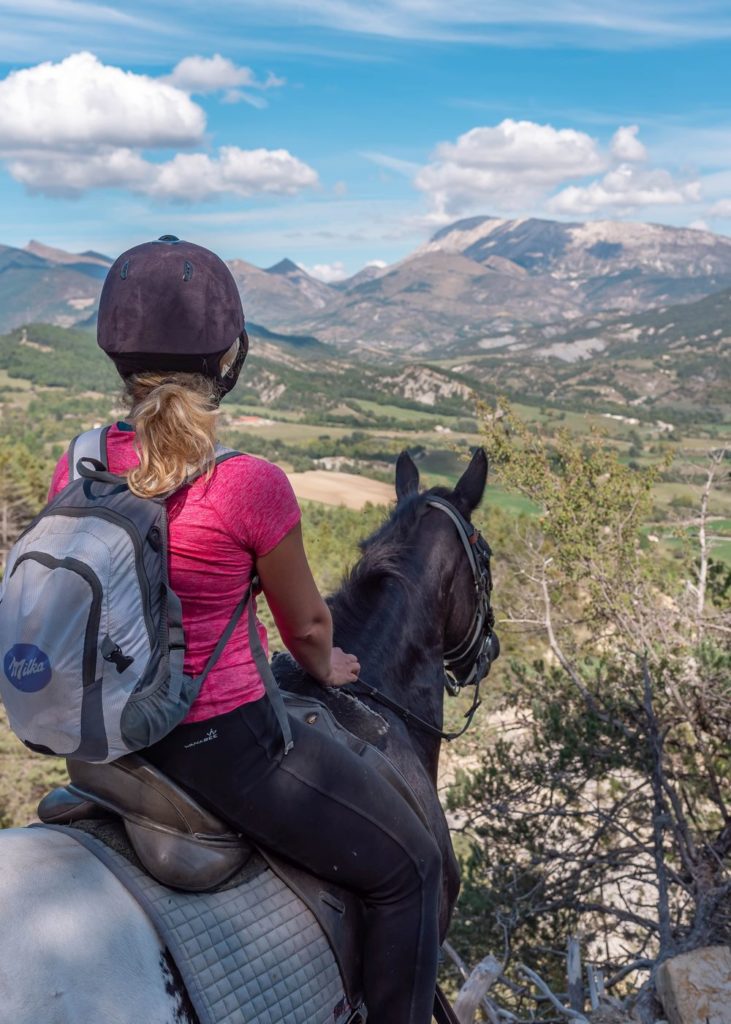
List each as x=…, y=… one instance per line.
x=285, y=266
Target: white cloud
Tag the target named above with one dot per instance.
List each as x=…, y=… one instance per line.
x=378, y=264
x=188, y=177
x=78, y=125
x=243, y=172
x=623, y=189
x=506, y=22
x=214, y=74
x=392, y=163
x=81, y=104
x=239, y=96
x=521, y=166
x=721, y=209
x=326, y=272
x=507, y=165
x=626, y=146
x=66, y=175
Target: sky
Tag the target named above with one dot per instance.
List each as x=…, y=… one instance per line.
x=339, y=133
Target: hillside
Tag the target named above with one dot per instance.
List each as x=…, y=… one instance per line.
x=34, y=287
x=673, y=362
x=283, y=372
x=661, y=386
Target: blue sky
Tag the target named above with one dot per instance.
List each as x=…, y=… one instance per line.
x=342, y=132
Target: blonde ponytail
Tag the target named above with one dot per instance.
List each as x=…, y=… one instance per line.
x=174, y=416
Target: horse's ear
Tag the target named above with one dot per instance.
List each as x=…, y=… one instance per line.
x=407, y=476
x=471, y=485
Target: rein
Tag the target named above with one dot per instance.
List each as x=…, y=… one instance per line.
x=410, y=717
x=480, y=646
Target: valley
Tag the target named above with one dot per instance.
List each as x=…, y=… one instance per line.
x=607, y=326
x=338, y=425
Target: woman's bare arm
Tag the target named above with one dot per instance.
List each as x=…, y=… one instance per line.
x=302, y=617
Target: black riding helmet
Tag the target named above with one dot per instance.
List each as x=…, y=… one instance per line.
x=169, y=306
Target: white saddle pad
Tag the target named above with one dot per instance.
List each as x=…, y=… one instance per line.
x=250, y=954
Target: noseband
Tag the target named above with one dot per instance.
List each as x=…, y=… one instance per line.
x=470, y=661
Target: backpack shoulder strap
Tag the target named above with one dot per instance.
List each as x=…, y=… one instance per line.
x=223, y=453
x=260, y=660
x=92, y=444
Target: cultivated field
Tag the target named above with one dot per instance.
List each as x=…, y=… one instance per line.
x=346, y=489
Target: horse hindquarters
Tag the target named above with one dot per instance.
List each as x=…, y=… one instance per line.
x=75, y=947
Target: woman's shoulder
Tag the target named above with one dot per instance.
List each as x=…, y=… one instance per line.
x=243, y=466
x=247, y=481
x=255, y=499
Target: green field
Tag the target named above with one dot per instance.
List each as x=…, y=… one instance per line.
x=721, y=549
x=292, y=432
x=8, y=383
x=234, y=409
x=397, y=412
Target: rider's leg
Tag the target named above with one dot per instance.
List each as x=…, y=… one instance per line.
x=321, y=807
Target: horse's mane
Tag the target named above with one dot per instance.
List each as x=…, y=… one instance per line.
x=382, y=559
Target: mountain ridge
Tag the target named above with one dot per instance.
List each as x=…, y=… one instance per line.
x=474, y=280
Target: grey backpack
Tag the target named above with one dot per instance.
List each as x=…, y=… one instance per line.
x=91, y=634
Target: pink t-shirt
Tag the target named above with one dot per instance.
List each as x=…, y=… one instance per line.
x=217, y=528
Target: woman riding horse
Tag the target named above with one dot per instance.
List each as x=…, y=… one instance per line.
x=170, y=318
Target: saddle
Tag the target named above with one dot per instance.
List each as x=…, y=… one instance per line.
x=184, y=846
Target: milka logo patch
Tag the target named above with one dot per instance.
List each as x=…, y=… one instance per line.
x=27, y=667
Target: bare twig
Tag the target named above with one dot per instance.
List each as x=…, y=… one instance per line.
x=716, y=457
x=494, y=1013
x=471, y=994
x=573, y=974
x=643, y=964
x=660, y=815
x=596, y=985
x=550, y=996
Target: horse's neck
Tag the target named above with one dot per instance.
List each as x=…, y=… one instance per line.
x=399, y=649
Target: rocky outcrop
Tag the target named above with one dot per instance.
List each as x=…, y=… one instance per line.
x=695, y=988
x=422, y=384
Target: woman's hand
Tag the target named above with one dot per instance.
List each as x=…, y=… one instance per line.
x=344, y=668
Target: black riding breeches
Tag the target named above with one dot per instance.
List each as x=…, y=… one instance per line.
x=325, y=810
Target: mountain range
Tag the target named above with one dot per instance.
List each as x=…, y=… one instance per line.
x=475, y=284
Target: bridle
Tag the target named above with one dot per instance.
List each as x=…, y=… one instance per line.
x=469, y=662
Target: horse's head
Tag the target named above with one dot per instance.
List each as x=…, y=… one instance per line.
x=417, y=602
x=460, y=557
x=423, y=582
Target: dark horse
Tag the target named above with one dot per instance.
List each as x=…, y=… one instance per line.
x=408, y=600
